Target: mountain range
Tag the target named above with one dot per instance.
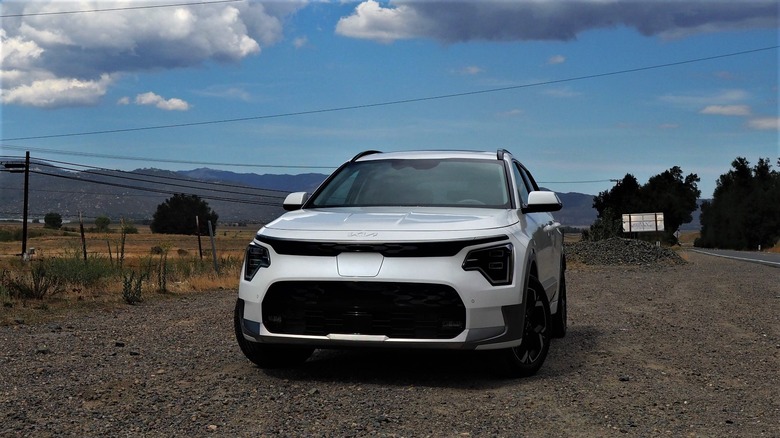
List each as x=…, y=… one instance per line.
x=235, y=197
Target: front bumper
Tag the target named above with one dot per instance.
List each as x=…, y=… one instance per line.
x=375, y=301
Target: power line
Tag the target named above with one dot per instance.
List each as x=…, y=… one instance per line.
x=190, y=181
x=398, y=102
x=160, y=160
x=124, y=8
x=153, y=190
x=92, y=172
x=173, y=178
x=71, y=192
x=230, y=185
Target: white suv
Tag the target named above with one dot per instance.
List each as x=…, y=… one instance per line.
x=424, y=249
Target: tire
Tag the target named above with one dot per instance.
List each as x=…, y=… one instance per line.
x=560, y=319
x=267, y=355
x=525, y=359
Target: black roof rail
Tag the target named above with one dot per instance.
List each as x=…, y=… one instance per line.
x=363, y=154
x=500, y=154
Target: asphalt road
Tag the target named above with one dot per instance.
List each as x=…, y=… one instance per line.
x=766, y=258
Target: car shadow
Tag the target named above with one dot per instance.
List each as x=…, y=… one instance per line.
x=435, y=368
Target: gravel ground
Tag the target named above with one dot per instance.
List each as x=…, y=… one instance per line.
x=677, y=350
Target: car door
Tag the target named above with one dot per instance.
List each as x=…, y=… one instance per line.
x=543, y=232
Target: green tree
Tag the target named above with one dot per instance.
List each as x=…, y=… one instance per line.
x=745, y=210
x=102, y=223
x=668, y=192
x=52, y=220
x=622, y=198
x=675, y=196
x=177, y=216
x=611, y=205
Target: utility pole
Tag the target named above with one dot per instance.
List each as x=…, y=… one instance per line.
x=26, y=202
x=18, y=168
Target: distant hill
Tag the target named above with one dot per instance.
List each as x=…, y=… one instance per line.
x=577, y=210
x=305, y=182
x=136, y=195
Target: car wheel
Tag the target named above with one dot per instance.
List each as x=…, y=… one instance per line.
x=525, y=359
x=560, y=319
x=267, y=355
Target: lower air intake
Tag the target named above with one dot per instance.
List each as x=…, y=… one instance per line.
x=395, y=310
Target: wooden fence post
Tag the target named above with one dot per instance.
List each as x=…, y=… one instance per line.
x=213, y=248
x=83, y=240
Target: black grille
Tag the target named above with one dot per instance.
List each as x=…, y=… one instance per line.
x=395, y=310
x=447, y=248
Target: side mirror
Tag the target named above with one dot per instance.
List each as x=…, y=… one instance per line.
x=294, y=201
x=541, y=202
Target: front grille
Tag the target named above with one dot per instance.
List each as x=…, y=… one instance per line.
x=445, y=248
x=395, y=310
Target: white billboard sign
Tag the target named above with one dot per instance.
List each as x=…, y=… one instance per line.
x=643, y=222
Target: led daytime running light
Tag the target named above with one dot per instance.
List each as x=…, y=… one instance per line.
x=495, y=263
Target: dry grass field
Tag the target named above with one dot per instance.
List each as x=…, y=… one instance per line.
x=185, y=270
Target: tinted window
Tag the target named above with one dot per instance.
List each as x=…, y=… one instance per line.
x=455, y=182
x=522, y=184
x=529, y=180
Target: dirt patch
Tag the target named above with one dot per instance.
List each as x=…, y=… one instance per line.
x=683, y=350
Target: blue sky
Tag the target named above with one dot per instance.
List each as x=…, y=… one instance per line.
x=283, y=66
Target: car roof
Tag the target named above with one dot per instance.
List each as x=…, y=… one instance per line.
x=427, y=154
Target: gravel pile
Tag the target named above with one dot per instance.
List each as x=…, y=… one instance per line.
x=617, y=251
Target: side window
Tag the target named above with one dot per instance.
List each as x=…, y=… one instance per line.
x=522, y=188
x=529, y=180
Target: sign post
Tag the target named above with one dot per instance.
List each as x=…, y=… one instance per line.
x=643, y=222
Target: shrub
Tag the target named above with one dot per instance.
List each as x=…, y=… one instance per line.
x=6, y=236
x=35, y=284
x=52, y=220
x=162, y=274
x=128, y=227
x=76, y=271
x=102, y=223
x=5, y=293
x=131, y=287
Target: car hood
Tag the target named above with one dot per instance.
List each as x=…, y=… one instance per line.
x=367, y=222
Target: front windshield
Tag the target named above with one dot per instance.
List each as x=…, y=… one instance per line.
x=417, y=182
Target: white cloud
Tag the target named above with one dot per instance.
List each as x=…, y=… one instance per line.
x=471, y=70
x=726, y=110
x=372, y=21
x=123, y=101
x=17, y=52
x=300, y=42
x=765, y=124
x=516, y=112
x=80, y=49
x=722, y=97
x=557, y=59
x=529, y=20
x=172, y=104
x=57, y=92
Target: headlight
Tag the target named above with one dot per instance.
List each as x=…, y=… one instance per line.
x=256, y=257
x=494, y=263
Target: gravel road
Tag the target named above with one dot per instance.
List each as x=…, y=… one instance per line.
x=683, y=350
